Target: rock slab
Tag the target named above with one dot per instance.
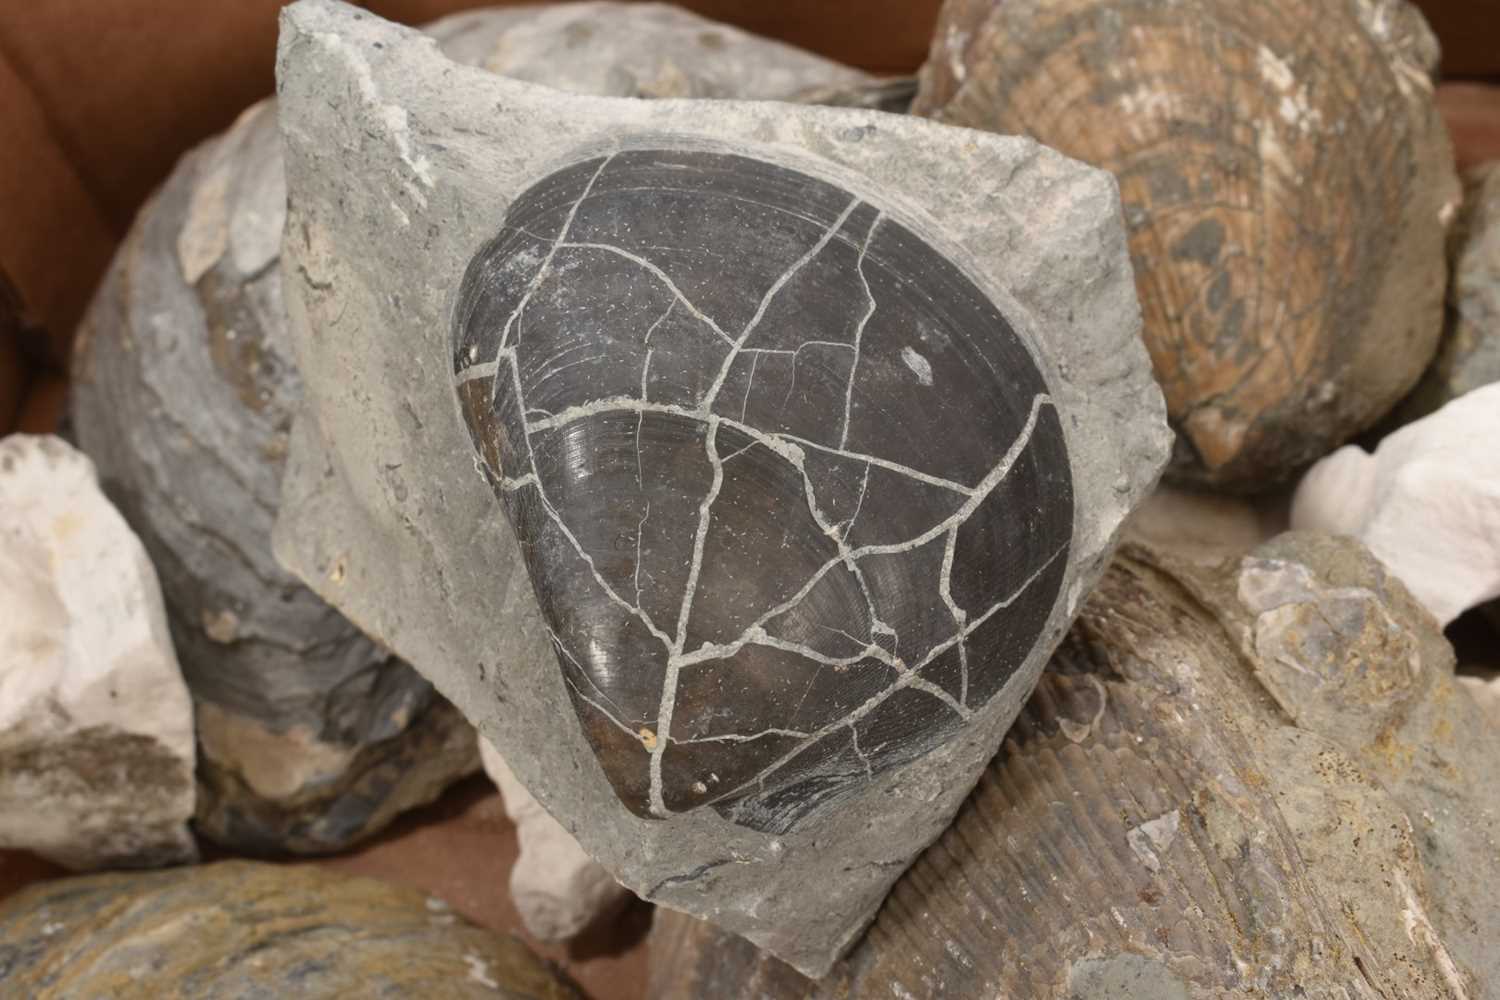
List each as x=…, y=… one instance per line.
x=241, y=929
x=401, y=166
x=96, y=727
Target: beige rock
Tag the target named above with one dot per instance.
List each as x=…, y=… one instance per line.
x=96, y=727
x=557, y=888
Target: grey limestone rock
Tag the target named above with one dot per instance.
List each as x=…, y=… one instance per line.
x=525, y=313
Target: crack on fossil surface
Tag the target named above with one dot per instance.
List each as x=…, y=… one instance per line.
x=727, y=431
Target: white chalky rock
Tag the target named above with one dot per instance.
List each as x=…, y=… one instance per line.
x=557, y=888
x=1427, y=502
x=96, y=728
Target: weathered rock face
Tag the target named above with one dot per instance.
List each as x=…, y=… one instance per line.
x=240, y=929
x=312, y=735
x=402, y=169
x=1260, y=781
x=1469, y=355
x=96, y=727
x=1285, y=178
x=1427, y=502
x=556, y=887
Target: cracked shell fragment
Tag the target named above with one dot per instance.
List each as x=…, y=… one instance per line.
x=792, y=492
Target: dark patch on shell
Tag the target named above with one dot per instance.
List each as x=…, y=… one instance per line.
x=793, y=495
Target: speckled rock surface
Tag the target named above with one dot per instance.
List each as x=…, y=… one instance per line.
x=96, y=726
x=1427, y=502
x=241, y=929
x=1254, y=781
x=401, y=166
x=556, y=887
x=1287, y=182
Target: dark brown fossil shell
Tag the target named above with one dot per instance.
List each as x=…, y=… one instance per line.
x=791, y=490
x=1285, y=178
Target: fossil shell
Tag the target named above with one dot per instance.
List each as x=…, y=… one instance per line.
x=1202, y=799
x=1286, y=181
x=793, y=495
x=240, y=929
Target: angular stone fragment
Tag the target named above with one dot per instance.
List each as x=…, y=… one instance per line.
x=474, y=268
x=1259, y=781
x=1469, y=355
x=96, y=727
x=556, y=887
x=239, y=929
x=1286, y=181
x=1427, y=502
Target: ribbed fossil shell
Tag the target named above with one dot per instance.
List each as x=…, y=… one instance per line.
x=792, y=493
x=1235, y=786
x=1285, y=179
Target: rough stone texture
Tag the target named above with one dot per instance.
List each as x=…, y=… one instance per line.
x=1286, y=179
x=1259, y=781
x=1427, y=502
x=1469, y=355
x=96, y=727
x=556, y=887
x=401, y=166
x=240, y=929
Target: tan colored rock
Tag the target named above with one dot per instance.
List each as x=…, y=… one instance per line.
x=239, y=929
x=557, y=888
x=96, y=727
x=1286, y=180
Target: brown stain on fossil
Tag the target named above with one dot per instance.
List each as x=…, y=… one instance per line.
x=1285, y=180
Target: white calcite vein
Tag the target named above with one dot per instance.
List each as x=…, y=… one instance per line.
x=790, y=448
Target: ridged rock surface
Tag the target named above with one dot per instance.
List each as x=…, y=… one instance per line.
x=1286, y=180
x=1258, y=781
x=241, y=929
